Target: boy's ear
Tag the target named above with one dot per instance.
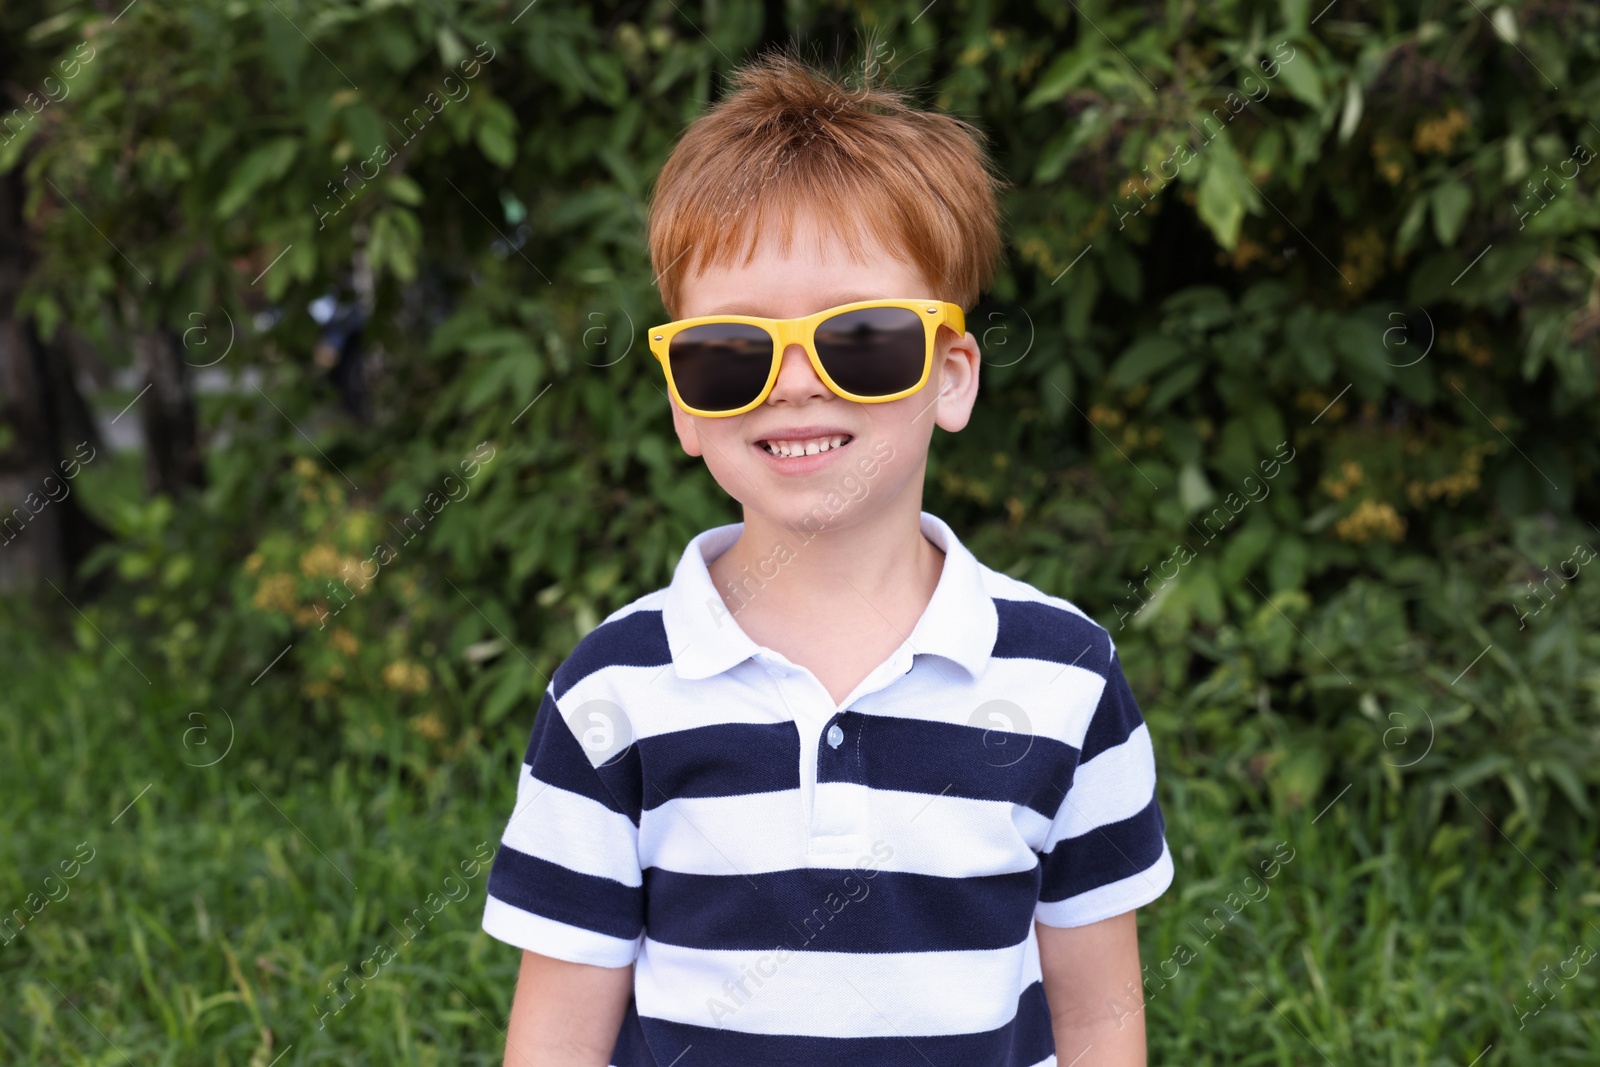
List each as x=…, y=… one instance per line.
x=957, y=365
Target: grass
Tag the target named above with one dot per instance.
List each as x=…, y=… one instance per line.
x=221, y=901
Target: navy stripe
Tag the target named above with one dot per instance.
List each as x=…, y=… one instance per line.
x=557, y=757
x=1031, y=630
x=1104, y=855
x=722, y=760
x=821, y=910
x=1023, y=1041
x=1115, y=718
x=918, y=756
x=624, y=778
x=638, y=639
x=551, y=890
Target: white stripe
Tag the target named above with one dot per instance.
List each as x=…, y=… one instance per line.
x=658, y=702
x=810, y=994
x=1108, y=900
x=578, y=833
x=725, y=835
x=918, y=833
x=1057, y=699
x=1115, y=785
x=550, y=938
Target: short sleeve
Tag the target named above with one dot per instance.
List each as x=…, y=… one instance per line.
x=566, y=880
x=1106, y=852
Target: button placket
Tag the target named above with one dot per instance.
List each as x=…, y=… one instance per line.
x=839, y=823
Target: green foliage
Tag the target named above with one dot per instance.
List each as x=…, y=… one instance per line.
x=1344, y=174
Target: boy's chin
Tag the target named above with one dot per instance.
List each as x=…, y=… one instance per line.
x=809, y=513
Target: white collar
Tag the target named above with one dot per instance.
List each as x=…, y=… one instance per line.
x=960, y=622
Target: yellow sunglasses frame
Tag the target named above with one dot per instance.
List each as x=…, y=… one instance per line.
x=802, y=332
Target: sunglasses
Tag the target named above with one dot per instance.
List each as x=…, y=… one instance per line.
x=871, y=352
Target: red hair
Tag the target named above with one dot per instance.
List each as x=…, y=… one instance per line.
x=788, y=137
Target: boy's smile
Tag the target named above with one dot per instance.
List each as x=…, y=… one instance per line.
x=799, y=444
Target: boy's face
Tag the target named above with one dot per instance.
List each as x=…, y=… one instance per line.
x=889, y=440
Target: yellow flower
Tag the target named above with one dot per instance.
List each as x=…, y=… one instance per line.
x=304, y=467
x=275, y=593
x=1384, y=154
x=1350, y=476
x=345, y=641
x=319, y=560
x=252, y=562
x=429, y=726
x=406, y=676
x=1371, y=518
x=1363, y=258
x=1438, y=134
x=1099, y=414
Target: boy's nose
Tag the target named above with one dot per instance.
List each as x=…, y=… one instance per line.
x=797, y=379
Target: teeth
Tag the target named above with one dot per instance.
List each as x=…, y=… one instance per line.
x=786, y=449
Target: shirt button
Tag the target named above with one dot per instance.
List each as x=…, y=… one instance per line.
x=835, y=736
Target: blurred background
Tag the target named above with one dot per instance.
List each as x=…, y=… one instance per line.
x=1290, y=382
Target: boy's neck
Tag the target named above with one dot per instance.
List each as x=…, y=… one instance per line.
x=870, y=576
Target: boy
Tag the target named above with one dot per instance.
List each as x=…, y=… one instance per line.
x=840, y=794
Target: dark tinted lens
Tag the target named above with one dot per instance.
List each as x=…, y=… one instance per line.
x=873, y=351
x=721, y=366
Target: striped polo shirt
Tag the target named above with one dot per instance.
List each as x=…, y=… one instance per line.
x=802, y=882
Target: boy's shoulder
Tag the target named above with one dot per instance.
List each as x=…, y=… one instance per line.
x=1034, y=624
x=633, y=635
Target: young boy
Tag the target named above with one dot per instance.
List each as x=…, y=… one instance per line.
x=840, y=794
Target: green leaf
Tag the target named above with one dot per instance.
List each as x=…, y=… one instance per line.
x=1287, y=568
x=1567, y=780
x=1206, y=594
x=1225, y=193
x=365, y=127
x=1307, y=339
x=1194, y=491
x=1411, y=225
x=451, y=50
x=513, y=686
x=402, y=188
x=1197, y=308
x=1056, y=391
x=1122, y=269
x=1300, y=77
x=1063, y=76
x=1174, y=385
x=495, y=133
x=1245, y=550
x=1450, y=203
x=264, y=164
x=1143, y=358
